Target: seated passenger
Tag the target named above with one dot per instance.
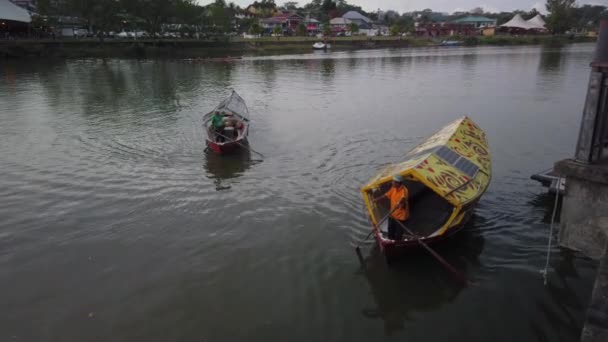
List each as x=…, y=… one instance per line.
x=217, y=123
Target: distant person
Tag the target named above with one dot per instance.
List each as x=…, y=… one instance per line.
x=217, y=122
x=398, y=196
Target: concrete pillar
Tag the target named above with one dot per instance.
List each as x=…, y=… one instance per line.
x=584, y=215
x=596, y=325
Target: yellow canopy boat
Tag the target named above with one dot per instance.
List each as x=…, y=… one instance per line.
x=445, y=176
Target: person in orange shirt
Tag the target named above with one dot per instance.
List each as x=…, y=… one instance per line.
x=398, y=196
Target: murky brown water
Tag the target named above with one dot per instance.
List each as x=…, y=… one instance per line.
x=116, y=226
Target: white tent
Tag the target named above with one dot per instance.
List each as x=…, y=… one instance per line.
x=537, y=23
x=517, y=22
x=10, y=11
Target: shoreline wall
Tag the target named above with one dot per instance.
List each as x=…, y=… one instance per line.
x=184, y=48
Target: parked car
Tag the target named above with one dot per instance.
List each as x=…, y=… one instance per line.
x=124, y=34
x=81, y=33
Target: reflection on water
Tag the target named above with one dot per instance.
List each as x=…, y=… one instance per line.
x=110, y=205
x=223, y=168
x=550, y=60
x=418, y=283
x=545, y=202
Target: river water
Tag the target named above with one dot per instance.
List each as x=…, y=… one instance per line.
x=115, y=225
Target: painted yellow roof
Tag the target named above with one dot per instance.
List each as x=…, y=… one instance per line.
x=454, y=162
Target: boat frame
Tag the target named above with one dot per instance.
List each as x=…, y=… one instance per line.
x=235, y=107
x=427, y=166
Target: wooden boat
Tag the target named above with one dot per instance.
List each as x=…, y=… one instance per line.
x=236, y=125
x=446, y=176
x=321, y=46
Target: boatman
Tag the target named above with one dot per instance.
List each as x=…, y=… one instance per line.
x=398, y=196
x=217, y=122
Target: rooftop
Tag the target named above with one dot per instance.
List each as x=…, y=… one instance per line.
x=473, y=19
x=354, y=15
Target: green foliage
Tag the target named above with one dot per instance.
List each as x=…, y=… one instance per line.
x=255, y=28
x=265, y=8
x=277, y=30
x=560, y=15
x=588, y=16
x=187, y=12
x=327, y=30
x=246, y=24
x=291, y=5
x=219, y=17
x=45, y=7
x=353, y=28
x=98, y=14
x=395, y=30
x=470, y=41
x=153, y=12
x=405, y=23
x=302, y=30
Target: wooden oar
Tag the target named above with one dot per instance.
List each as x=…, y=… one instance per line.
x=242, y=145
x=376, y=226
x=459, y=275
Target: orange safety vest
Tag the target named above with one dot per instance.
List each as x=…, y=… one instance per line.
x=396, y=195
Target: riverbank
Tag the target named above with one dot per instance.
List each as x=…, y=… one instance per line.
x=184, y=48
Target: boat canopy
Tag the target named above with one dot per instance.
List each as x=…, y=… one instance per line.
x=454, y=162
x=233, y=104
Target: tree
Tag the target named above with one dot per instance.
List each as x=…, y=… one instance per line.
x=560, y=15
x=97, y=14
x=327, y=30
x=529, y=15
x=46, y=7
x=395, y=30
x=255, y=28
x=302, y=30
x=277, y=30
x=219, y=17
x=406, y=23
x=477, y=11
x=153, y=12
x=291, y=5
x=588, y=16
x=353, y=28
x=187, y=12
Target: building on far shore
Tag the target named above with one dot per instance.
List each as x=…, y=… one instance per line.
x=445, y=30
x=476, y=21
x=339, y=24
x=362, y=21
x=313, y=26
x=288, y=21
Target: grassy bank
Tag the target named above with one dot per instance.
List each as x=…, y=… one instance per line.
x=185, y=48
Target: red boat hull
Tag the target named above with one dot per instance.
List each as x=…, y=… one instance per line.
x=395, y=249
x=225, y=148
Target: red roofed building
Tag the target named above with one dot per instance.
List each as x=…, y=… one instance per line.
x=287, y=21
